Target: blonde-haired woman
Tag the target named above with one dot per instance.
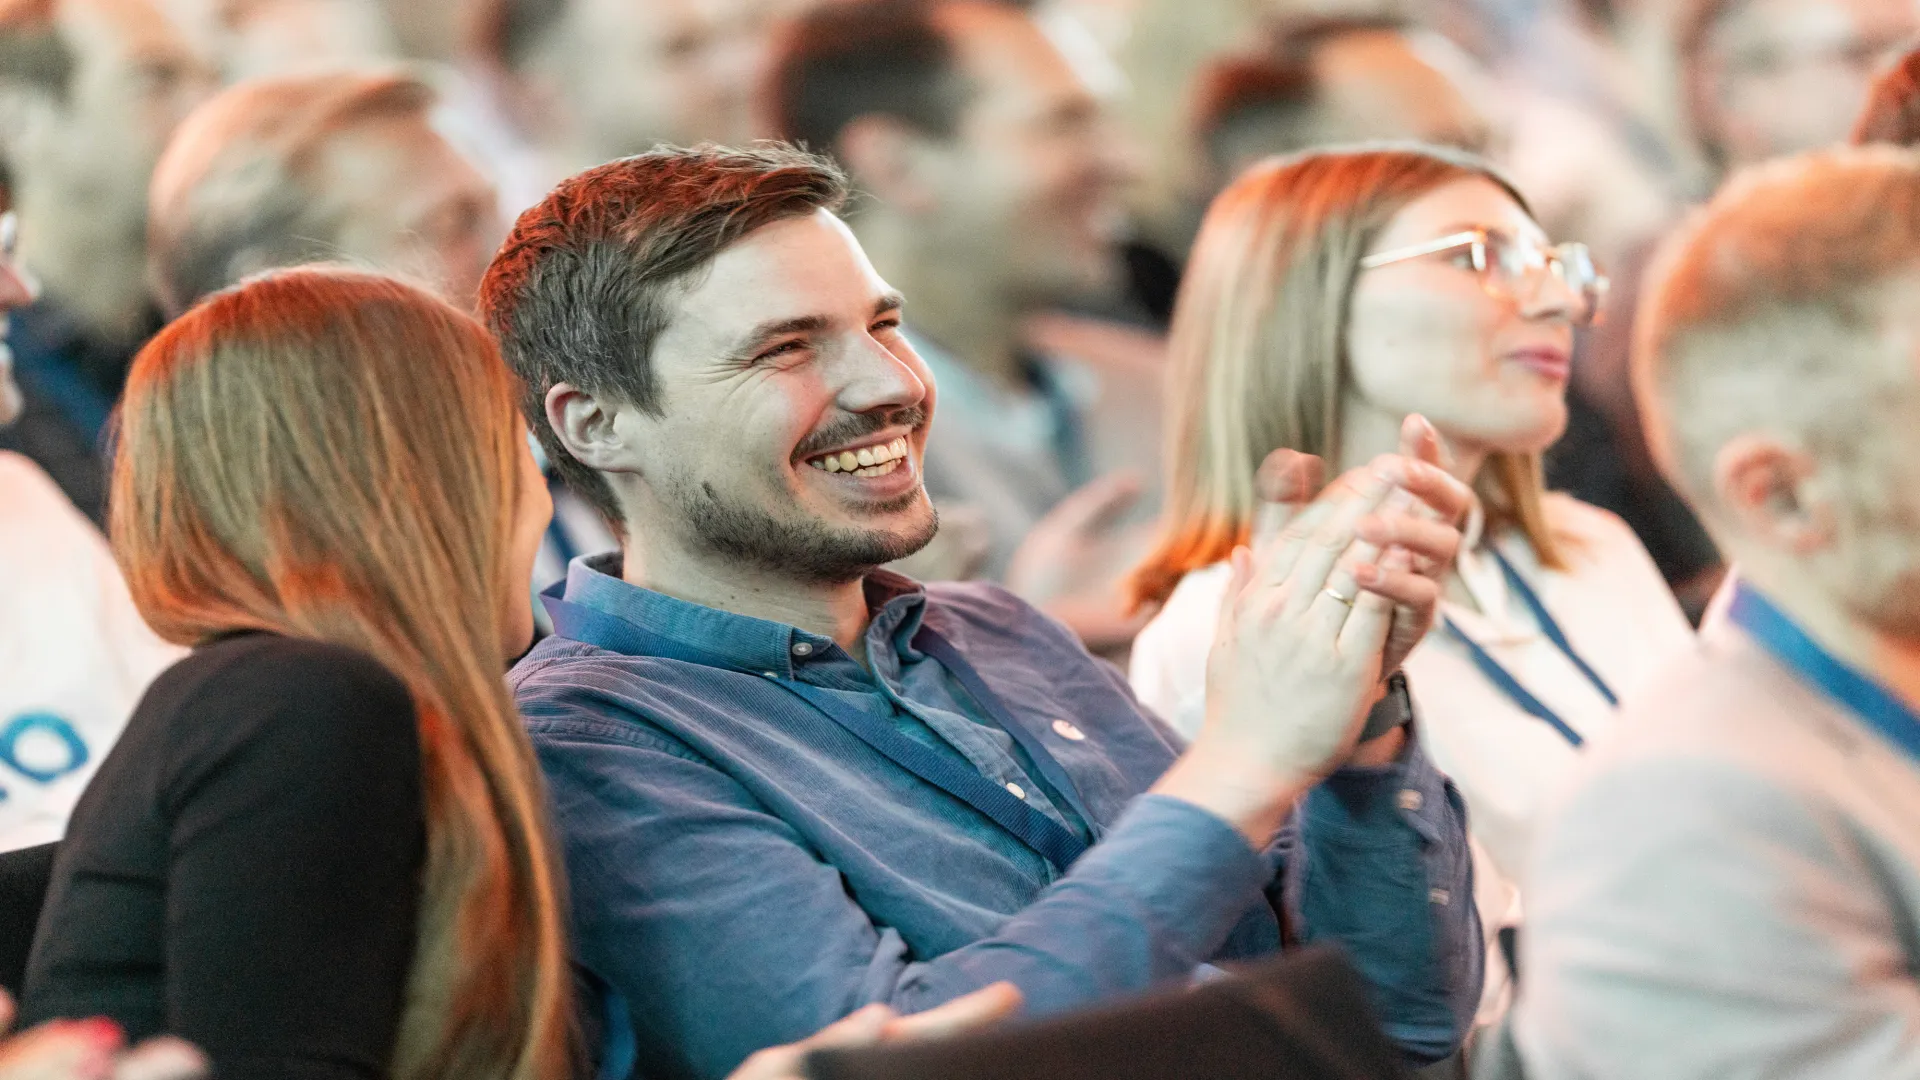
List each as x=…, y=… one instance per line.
x=1329, y=296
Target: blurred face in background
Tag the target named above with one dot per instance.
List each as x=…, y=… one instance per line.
x=1777, y=77
x=1029, y=186
x=1428, y=335
x=409, y=203
x=637, y=72
x=86, y=156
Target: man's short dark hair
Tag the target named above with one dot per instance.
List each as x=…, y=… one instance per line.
x=846, y=60
x=578, y=293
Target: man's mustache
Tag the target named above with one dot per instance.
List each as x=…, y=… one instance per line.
x=857, y=426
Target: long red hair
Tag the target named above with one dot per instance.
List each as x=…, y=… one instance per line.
x=334, y=455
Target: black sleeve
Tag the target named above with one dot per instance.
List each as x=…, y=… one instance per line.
x=296, y=842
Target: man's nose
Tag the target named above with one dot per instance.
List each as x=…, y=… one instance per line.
x=873, y=377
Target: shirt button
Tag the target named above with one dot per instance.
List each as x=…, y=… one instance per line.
x=1068, y=731
x=1411, y=800
x=1017, y=791
x=771, y=674
x=1439, y=896
x=803, y=648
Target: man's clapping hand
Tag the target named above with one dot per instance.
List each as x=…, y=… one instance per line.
x=1339, y=586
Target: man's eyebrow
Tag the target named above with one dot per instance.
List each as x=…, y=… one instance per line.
x=888, y=304
x=767, y=332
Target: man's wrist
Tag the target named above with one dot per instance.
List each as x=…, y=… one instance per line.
x=1238, y=788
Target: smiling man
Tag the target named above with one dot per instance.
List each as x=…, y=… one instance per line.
x=791, y=783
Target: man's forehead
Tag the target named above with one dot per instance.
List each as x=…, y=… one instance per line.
x=795, y=268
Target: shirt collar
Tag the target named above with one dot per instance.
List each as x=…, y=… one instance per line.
x=896, y=605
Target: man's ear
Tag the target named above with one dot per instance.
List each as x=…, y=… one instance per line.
x=1771, y=491
x=587, y=426
x=890, y=160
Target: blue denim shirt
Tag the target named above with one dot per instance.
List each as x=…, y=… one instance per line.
x=743, y=875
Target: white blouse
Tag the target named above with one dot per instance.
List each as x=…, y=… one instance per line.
x=1611, y=603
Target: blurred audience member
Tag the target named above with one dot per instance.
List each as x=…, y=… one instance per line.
x=350, y=166
x=89, y=91
x=1727, y=888
x=572, y=83
x=1456, y=308
x=248, y=39
x=791, y=782
x=1333, y=81
x=1762, y=78
x=1892, y=112
x=1320, y=82
x=992, y=184
x=74, y=654
x=345, y=165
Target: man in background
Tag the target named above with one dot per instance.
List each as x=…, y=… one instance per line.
x=1729, y=890
x=89, y=92
x=343, y=166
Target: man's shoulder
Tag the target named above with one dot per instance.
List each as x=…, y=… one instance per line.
x=983, y=615
x=567, y=688
x=1722, y=725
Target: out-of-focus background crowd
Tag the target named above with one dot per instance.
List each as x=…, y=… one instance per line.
x=156, y=150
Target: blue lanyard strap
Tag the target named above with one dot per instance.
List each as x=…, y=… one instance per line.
x=1874, y=704
x=1504, y=680
x=1056, y=843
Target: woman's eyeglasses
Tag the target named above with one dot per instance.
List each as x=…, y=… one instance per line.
x=1507, y=266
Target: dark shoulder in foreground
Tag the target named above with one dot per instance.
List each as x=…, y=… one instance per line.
x=301, y=690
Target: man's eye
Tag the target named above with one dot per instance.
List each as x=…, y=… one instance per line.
x=886, y=324
x=785, y=348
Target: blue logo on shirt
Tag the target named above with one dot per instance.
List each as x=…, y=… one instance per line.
x=29, y=756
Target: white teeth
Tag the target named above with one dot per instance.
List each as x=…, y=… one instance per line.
x=866, y=461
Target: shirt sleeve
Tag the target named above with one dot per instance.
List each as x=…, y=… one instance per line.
x=1691, y=920
x=726, y=934
x=1376, y=860
x=296, y=841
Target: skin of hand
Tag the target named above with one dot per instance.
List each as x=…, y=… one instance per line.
x=91, y=1050
x=879, y=1024
x=1379, y=536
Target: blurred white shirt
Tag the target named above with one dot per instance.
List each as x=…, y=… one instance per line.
x=1612, y=604
x=75, y=655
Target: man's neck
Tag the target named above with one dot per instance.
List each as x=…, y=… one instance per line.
x=956, y=306
x=1892, y=660
x=837, y=611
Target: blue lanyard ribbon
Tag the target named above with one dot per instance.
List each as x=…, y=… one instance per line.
x=1874, y=704
x=1504, y=680
x=1052, y=840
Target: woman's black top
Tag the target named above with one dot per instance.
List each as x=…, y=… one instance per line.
x=244, y=870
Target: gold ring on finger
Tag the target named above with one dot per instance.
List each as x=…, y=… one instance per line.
x=1347, y=600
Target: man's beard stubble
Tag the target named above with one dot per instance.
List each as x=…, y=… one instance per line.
x=802, y=547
